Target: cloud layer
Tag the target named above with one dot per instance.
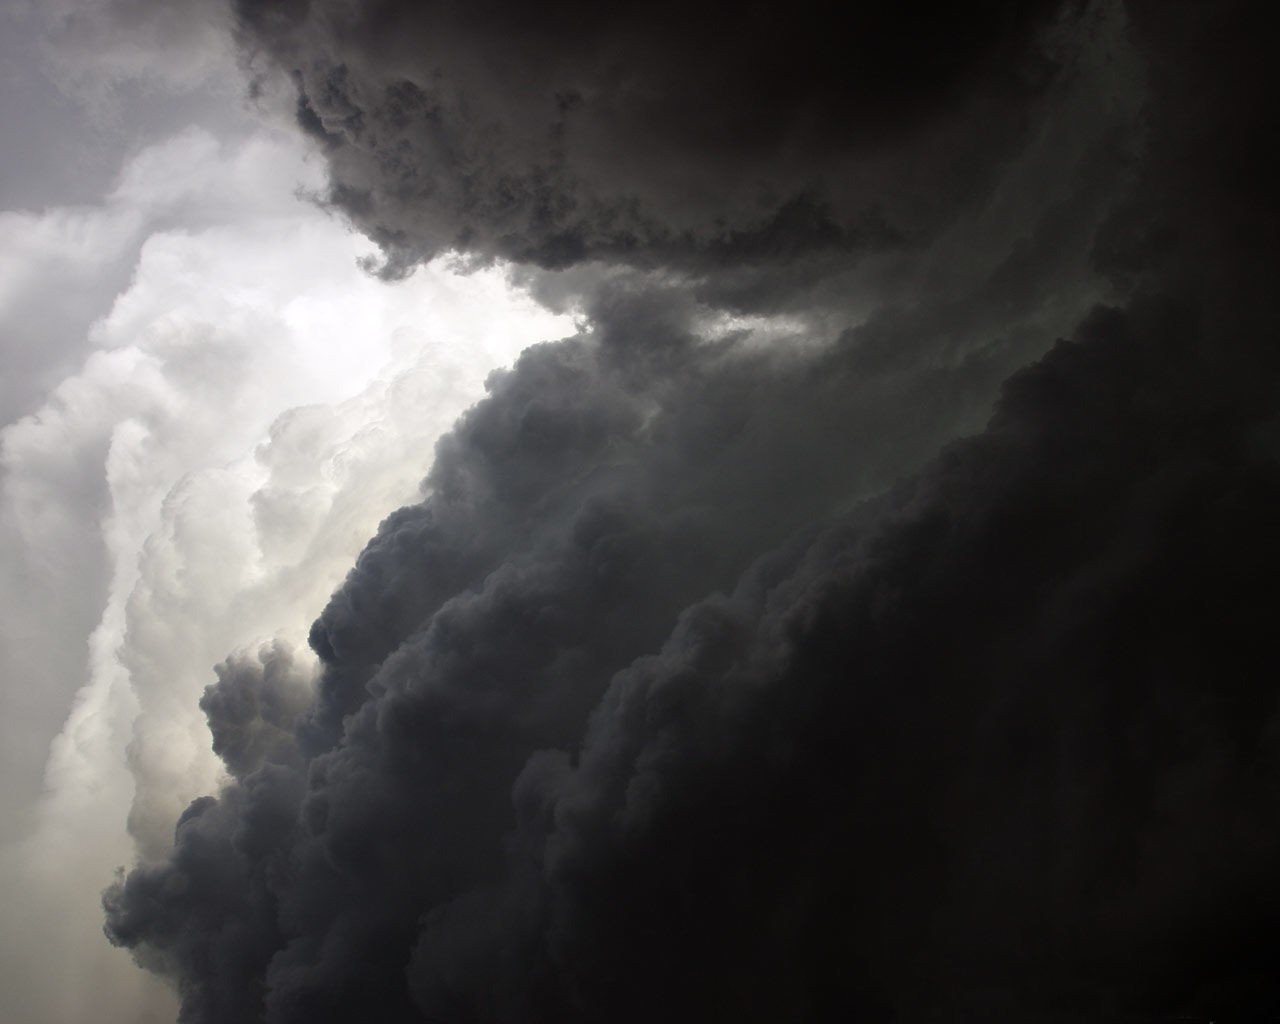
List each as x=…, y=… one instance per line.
x=714, y=676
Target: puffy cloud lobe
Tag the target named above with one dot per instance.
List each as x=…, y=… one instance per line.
x=253, y=707
x=211, y=906
x=660, y=135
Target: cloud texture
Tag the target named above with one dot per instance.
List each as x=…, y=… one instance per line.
x=675, y=134
x=730, y=666
x=217, y=427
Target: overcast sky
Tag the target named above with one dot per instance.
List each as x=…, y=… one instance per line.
x=858, y=606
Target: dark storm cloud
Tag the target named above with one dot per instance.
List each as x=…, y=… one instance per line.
x=602, y=487
x=1007, y=732
x=252, y=709
x=1003, y=744
x=670, y=134
x=701, y=684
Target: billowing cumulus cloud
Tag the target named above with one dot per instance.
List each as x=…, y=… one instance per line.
x=237, y=420
x=864, y=617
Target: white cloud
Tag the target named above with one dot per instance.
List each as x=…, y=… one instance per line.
x=248, y=409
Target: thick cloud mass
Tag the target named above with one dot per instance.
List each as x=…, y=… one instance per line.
x=713, y=678
x=687, y=134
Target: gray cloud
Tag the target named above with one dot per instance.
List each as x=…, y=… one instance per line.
x=669, y=135
x=1024, y=694
x=713, y=677
x=252, y=709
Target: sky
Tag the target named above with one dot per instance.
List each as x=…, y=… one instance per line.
x=516, y=513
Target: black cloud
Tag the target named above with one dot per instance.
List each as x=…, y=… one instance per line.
x=689, y=134
x=252, y=708
x=707, y=680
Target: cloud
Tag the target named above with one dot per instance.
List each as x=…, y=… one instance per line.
x=663, y=136
x=252, y=708
x=245, y=406
x=1000, y=701
x=64, y=265
x=783, y=665
x=981, y=748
